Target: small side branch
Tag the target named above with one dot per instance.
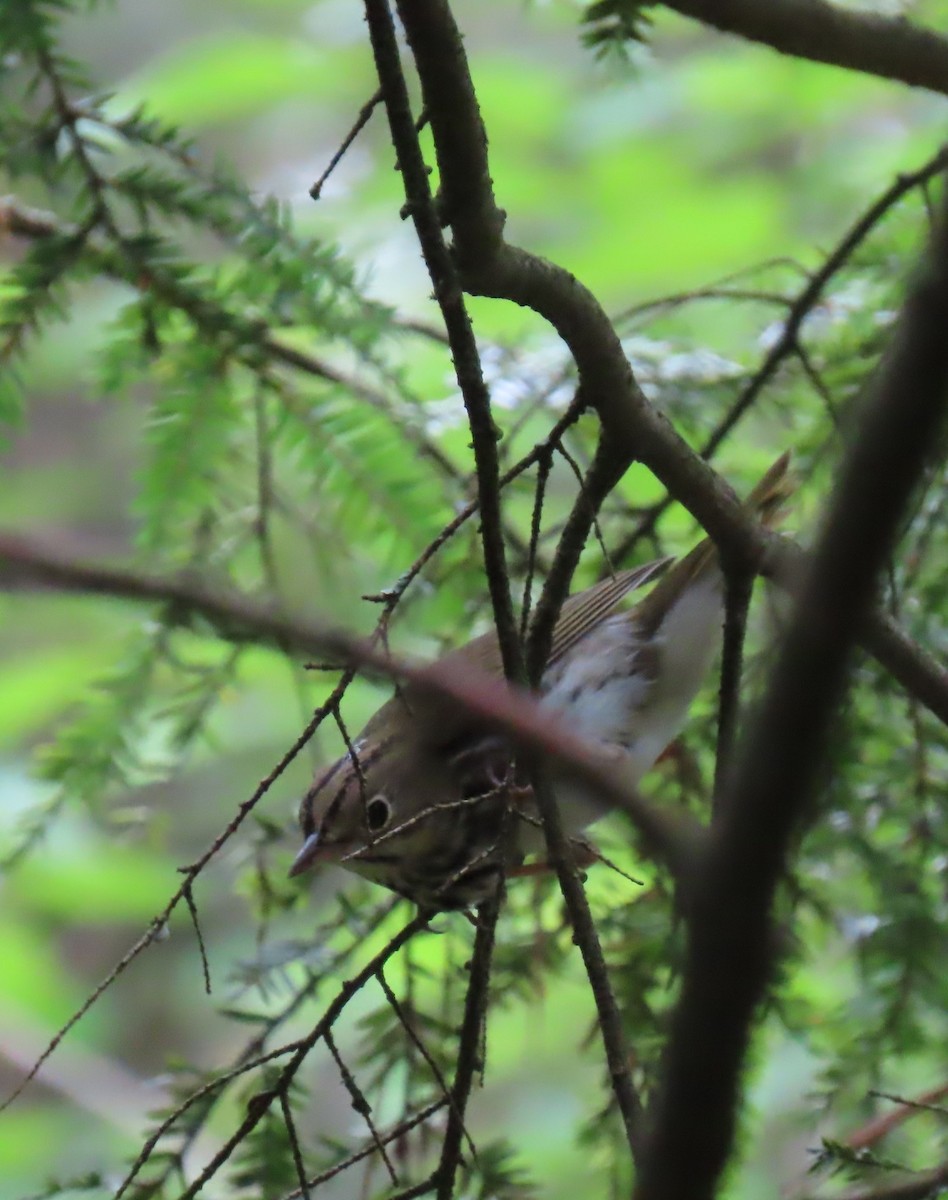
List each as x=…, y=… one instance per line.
x=606, y=471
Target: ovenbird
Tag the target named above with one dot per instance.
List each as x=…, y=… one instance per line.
x=428, y=802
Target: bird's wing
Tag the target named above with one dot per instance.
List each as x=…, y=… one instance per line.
x=580, y=613
x=764, y=501
x=435, y=720
x=587, y=609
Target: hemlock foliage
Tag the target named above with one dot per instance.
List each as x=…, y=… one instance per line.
x=286, y=434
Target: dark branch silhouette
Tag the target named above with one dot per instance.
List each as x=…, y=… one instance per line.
x=731, y=944
x=889, y=47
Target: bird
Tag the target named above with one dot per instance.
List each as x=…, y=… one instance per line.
x=428, y=801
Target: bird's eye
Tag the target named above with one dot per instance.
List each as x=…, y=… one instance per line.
x=378, y=813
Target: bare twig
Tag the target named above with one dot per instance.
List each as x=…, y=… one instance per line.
x=800, y=308
x=417, y=1041
x=359, y=1102
x=359, y=124
x=602, y=477
x=294, y=1141
x=875, y=1130
x=192, y=909
x=609, y=1018
x=544, y=466
x=447, y=289
x=812, y=293
x=261, y=1103
x=468, y=1059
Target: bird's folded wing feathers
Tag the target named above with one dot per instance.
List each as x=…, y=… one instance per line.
x=584, y=611
x=441, y=722
x=764, y=501
x=580, y=613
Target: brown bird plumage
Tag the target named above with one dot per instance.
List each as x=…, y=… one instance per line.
x=430, y=806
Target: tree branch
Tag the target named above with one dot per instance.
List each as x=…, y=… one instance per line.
x=238, y=619
x=470, y=1043
x=916, y=671
x=603, y=475
x=888, y=47
x=731, y=947
x=635, y=431
x=799, y=310
x=447, y=289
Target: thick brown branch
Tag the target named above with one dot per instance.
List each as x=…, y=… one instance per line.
x=731, y=944
x=888, y=47
x=237, y=618
x=635, y=431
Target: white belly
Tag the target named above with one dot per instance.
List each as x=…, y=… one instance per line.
x=607, y=692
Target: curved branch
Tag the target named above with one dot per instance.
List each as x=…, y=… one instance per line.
x=887, y=47
x=633, y=429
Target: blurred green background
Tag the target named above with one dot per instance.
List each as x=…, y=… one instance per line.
x=700, y=158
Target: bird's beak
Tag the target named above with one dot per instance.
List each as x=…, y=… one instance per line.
x=313, y=851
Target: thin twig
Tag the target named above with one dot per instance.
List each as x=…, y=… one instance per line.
x=419, y=1044
x=594, y=513
x=192, y=909
x=605, y=472
x=544, y=465
x=447, y=289
x=468, y=1057
x=294, y=1144
x=365, y=112
x=359, y=1102
x=802, y=305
